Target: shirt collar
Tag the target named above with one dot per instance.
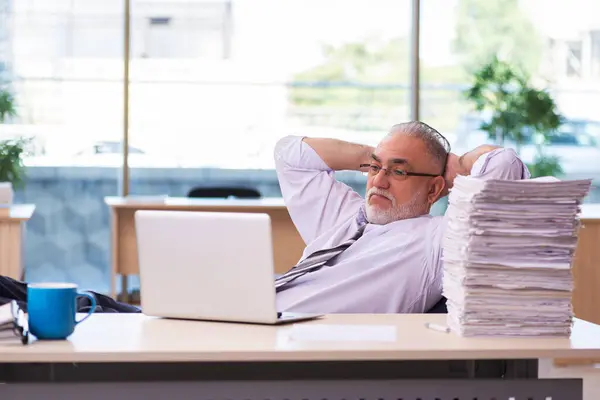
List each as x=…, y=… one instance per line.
x=361, y=216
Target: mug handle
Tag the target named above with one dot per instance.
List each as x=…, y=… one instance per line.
x=92, y=308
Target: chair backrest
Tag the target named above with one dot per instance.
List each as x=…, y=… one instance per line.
x=439, y=307
x=224, y=192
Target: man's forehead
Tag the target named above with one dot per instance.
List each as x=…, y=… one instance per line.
x=400, y=141
x=400, y=147
x=384, y=158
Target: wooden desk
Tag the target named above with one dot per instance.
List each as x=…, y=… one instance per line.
x=397, y=348
x=287, y=243
x=11, y=234
x=138, y=338
x=586, y=266
x=586, y=274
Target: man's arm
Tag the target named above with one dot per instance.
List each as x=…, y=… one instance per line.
x=486, y=162
x=305, y=168
x=340, y=155
x=499, y=163
x=467, y=160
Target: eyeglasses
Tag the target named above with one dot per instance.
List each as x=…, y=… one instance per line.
x=19, y=324
x=396, y=173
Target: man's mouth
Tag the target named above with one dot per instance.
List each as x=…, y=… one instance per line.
x=378, y=199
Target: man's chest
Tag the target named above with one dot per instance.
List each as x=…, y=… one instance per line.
x=377, y=245
x=375, y=271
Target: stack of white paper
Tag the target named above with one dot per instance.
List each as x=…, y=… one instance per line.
x=508, y=248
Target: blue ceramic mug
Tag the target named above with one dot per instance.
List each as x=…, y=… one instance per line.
x=51, y=309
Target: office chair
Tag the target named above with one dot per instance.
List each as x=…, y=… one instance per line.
x=224, y=192
x=439, y=307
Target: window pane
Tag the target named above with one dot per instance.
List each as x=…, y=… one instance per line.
x=216, y=84
x=62, y=61
x=554, y=42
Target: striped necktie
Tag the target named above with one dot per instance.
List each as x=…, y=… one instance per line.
x=315, y=261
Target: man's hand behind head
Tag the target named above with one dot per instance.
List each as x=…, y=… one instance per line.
x=452, y=170
x=464, y=164
x=468, y=159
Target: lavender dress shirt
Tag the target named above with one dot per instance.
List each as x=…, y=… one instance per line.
x=392, y=268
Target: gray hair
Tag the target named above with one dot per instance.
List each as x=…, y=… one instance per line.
x=437, y=145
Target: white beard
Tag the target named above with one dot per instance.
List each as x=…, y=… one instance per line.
x=378, y=216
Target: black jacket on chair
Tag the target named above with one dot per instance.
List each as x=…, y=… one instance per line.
x=11, y=289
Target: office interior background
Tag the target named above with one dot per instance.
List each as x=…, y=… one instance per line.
x=214, y=84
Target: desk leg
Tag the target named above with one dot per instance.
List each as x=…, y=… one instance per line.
x=10, y=249
x=22, y=251
x=114, y=254
x=116, y=257
x=124, y=286
x=124, y=250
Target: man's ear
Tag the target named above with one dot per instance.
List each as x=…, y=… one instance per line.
x=437, y=189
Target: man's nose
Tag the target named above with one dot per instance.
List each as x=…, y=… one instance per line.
x=381, y=180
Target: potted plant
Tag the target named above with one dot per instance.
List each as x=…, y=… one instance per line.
x=11, y=150
x=517, y=111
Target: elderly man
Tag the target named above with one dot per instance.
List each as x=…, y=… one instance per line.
x=382, y=253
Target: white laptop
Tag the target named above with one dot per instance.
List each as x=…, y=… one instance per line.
x=214, y=266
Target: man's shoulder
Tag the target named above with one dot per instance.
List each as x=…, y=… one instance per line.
x=437, y=224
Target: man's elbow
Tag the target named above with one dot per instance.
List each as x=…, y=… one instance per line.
x=282, y=149
x=281, y=145
x=506, y=164
x=485, y=148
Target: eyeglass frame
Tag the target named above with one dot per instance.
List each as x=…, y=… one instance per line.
x=404, y=173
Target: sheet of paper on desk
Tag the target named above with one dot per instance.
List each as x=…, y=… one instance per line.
x=343, y=333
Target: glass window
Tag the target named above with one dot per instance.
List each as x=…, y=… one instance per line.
x=181, y=30
x=556, y=48
x=246, y=73
x=214, y=85
x=64, y=67
x=595, y=38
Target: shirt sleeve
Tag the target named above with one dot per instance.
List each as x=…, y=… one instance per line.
x=315, y=200
x=503, y=163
